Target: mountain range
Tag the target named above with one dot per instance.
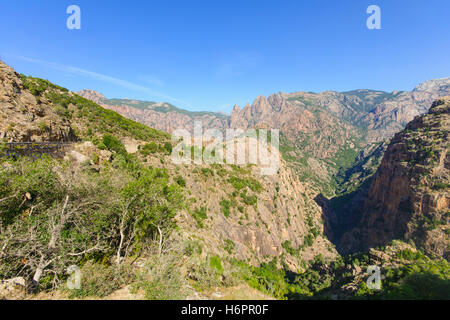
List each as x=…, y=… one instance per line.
x=320, y=132
x=363, y=180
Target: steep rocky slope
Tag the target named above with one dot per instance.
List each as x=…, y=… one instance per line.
x=231, y=210
x=23, y=117
x=409, y=197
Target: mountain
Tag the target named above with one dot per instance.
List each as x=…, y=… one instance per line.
x=139, y=225
x=320, y=132
x=161, y=116
x=408, y=198
x=381, y=113
x=225, y=213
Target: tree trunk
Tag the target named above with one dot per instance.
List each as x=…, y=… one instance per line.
x=122, y=236
x=37, y=274
x=160, y=241
x=36, y=278
x=118, y=257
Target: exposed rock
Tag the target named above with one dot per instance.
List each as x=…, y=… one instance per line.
x=92, y=95
x=161, y=116
x=320, y=131
x=12, y=289
x=25, y=119
x=409, y=198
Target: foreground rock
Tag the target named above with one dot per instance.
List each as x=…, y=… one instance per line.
x=12, y=289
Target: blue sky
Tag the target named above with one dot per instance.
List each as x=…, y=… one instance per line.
x=209, y=55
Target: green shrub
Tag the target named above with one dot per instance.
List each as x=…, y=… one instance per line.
x=225, y=205
x=180, y=180
x=287, y=245
x=269, y=279
x=192, y=247
x=148, y=148
x=200, y=215
x=98, y=203
x=215, y=263
x=202, y=275
x=207, y=172
x=98, y=280
x=240, y=183
x=229, y=246
x=248, y=199
x=441, y=186
x=168, y=147
x=113, y=144
x=161, y=279
x=43, y=126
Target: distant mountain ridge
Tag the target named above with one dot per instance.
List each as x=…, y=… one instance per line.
x=382, y=113
x=321, y=134
x=160, y=115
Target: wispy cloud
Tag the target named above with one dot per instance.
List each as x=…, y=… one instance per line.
x=101, y=77
x=236, y=64
x=151, y=79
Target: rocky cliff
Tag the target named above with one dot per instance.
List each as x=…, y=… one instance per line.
x=321, y=133
x=25, y=118
x=409, y=197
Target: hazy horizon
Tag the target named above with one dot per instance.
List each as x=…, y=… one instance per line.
x=209, y=56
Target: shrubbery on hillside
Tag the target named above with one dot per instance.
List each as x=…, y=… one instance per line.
x=54, y=214
x=100, y=120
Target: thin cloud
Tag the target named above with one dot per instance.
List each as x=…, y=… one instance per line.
x=152, y=80
x=237, y=64
x=101, y=77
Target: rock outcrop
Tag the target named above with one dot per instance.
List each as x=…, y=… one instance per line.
x=409, y=197
x=23, y=118
x=12, y=289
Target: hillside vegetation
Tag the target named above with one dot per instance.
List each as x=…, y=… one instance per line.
x=134, y=222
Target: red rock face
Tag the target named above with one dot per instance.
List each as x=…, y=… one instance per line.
x=409, y=198
x=161, y=116
x=321, y=131
x=93, y=96
x=383, y=114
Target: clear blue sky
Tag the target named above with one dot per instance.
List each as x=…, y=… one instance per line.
x=209, y=55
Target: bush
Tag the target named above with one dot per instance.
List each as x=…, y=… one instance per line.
x=180, y=181
x=229, y=246
x=248, y=199
x=95, y=210
x=168, y=147
x=421, y=286
x=200, y=215
x=204, y=275
x=287, y=245
x=215, y=263
x=161, y=279
x=269, y=279
x=441, y=186
x=148, y=148
x=240, y=183
x=192, y=247
x=42, y=125
x=225, y=205
x=98, y=280
x=114, y=144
